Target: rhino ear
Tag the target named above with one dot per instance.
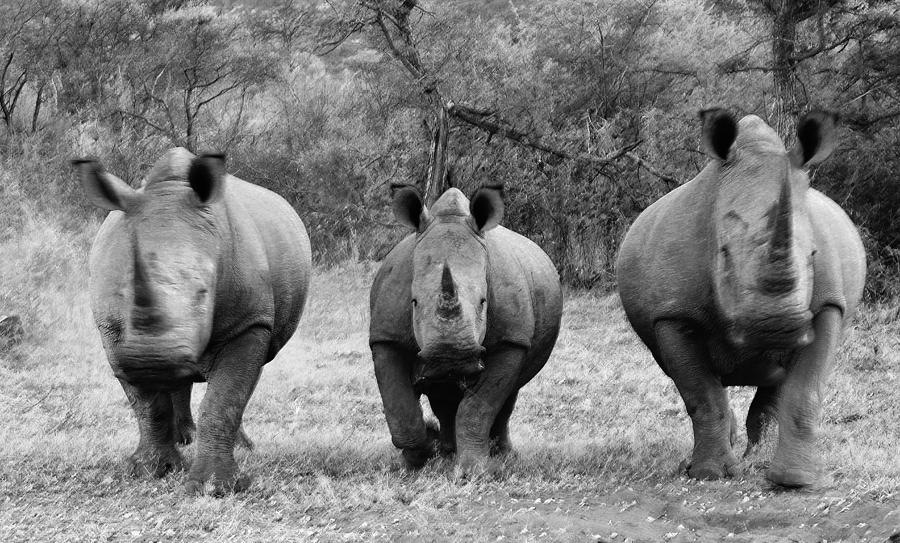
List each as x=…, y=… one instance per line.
x=487, y=207
x=103, y=189
x=816, y=138
x=408, y=206
x=719, y=132
x=207, y=177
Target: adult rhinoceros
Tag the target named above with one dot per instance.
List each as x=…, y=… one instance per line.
x=196, y=276
x=466, y=312
x=746, y=276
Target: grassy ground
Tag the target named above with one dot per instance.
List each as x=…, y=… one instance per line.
x=600, y=434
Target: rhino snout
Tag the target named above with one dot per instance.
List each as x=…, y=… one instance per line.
x=152, y=363
x=446, y=363
x=782, y=331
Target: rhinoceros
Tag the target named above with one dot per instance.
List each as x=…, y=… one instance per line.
x=466, y=312
x=746, y=276
x=197, y=276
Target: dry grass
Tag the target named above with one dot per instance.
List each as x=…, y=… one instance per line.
x=599, y=433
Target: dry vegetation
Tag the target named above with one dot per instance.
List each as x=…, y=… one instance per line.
x=600, y=434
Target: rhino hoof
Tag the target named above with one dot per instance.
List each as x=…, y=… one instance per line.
x=793, y=477
x=416, y=457
x=184, y=432
x=154, y=463
x=711, y=470
x=471, y=467
x=217, y=488
x=217, y=478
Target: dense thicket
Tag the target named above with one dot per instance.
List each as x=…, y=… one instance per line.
x=586, y=110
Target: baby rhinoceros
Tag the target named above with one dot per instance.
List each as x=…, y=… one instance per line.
x=196, y=276
x=746, y=276
x=465, y=312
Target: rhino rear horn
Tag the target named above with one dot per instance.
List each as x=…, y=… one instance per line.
x=102, y=188
x=718, y=133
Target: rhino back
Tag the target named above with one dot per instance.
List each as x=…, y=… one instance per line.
x=269, y=264
x=525, y=297
x=390, y=300
x=840, y=260
x=662, y=268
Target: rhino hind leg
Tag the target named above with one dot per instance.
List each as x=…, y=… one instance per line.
x=761, y=419
x=185, y=428
x=444, y=404
x=686, y=360
x=184, y=422
x=500, y=443
x=155, y=454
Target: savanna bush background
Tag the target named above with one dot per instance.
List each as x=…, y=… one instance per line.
x=306, y=98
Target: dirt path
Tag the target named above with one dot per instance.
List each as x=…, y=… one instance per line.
x=678, y=512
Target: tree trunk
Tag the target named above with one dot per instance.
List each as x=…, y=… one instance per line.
x=38, y=100
x=784, y=35
x=437, y=162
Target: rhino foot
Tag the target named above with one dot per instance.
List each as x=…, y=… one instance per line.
x=711, y=469
x=794, y=477
x=217, y=476
x=471, y=467
x=184, y=431
x=154, y=462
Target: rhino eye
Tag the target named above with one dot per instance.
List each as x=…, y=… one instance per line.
x=483, y=301
x=415, y=302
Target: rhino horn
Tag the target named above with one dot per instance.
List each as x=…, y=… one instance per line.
x=143, y=295
x=448, y=305
x=780, y=277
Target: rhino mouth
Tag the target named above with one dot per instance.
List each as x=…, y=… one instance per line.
x=156, y=370
x=163, y=379
x=783, y=333
x=449, y=368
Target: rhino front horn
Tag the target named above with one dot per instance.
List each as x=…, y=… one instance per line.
x=448, y=305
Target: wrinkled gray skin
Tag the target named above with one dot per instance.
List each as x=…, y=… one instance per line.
x=465, y=312
x=746, y=276
x=196, y=276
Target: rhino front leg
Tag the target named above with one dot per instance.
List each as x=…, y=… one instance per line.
x=500, y=443
x=686, y=360
x=482, y=404
x=156, y=454
x=797, y=462
x=233, y=377
x=393, y=370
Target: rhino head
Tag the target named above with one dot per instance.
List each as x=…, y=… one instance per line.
x=449, y=278
x=764, y=245
x=157, y=317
